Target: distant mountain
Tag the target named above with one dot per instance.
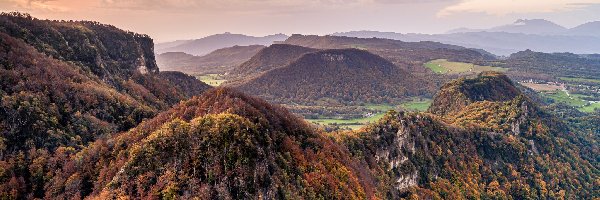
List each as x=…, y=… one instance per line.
x=525, y=26
x=499, y=43
x=525, y=63
x=589, y=29
x=343, y=75
x=272, y=57
x=216, y=62
x=408, y=55
x=203, y=46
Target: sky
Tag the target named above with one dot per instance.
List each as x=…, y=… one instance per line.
x=168, y=20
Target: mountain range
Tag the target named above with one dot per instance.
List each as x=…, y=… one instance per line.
x=203, y=46
x=537, y=35
x=217, y=62
x=539, y=27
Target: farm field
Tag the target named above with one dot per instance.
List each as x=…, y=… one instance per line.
x=417, y=105
x=543, y=87
x=211, y=79
x=580, y=80
x=379, y=111
x=443, y=66
x=574, y=100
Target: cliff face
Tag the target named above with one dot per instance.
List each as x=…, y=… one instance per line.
x=488, y=141
x=66, y=84
x=101, y=49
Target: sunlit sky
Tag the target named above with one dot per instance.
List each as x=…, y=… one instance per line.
x=167, y=20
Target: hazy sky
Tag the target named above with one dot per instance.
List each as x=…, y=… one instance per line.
x=167, y=20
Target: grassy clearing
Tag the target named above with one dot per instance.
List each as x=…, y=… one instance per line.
x=443, y=66
x=353, y=124
x=590, y=108
x=379, y=111
x=574, y=100
x=437, y=68
x=580, y=80
x=417, y=105
x=561, y=96
x=211, y=79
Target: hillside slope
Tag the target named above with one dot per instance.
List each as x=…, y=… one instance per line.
x=220, y=145
x=65, y=84
x=344, y=75
x=495, y=147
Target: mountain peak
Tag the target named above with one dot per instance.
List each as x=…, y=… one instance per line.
x=487, y=86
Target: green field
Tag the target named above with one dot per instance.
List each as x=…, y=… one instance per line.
x=353, y=124
x=561, y=96
x=574, y=100
x=417, y=105
x=443, y=66
x=380, y=110
x=211, y=79
x=590, y=108
x=580, y=80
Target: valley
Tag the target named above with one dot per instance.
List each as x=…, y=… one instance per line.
x=443, y=66
x=211, y=79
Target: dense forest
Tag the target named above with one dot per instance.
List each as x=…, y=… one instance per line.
x=86, y=113
x=65, y=84
x=496, y=147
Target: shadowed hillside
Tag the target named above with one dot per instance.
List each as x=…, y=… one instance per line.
x=345, y=75
x=272, y=57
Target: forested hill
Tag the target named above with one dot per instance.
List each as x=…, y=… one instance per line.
x=492, y=146
x=344, y=75
x=64, y=84
x=272, y=57
x=488, y=86
x=220, y=145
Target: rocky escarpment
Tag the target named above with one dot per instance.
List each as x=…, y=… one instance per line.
x=468, y=151
x=102, y=49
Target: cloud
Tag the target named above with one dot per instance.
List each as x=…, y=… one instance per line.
x=505, y=7
x=31, y=5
